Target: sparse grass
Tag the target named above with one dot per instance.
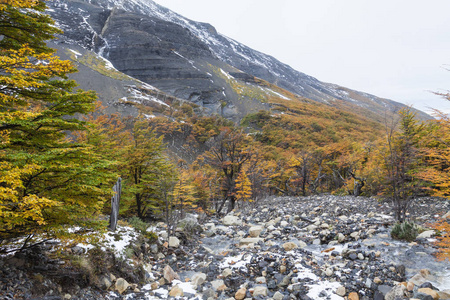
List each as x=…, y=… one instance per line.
x=97, y=64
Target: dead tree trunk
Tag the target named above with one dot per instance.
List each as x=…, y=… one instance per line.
x=115, y=200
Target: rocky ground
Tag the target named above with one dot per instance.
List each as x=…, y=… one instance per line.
x=319, y=247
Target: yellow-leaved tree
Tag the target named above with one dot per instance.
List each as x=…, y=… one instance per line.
x=243, y=187
x=46, y=179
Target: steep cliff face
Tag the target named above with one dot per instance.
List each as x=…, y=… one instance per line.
x=188, y=59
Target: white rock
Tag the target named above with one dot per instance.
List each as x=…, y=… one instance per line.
x=341, y=291
x=227, y=272
x=255, y=231
x=121, y=285
x=174, y=242
x=260, y=290
x=426, y=234
x=248, y=241
x=218, y=284
x=198, y=279
x=229, y=220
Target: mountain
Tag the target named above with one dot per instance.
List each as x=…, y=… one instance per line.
x=191, y=61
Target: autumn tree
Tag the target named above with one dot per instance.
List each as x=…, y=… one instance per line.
x=243, y=187
x=402, y=162
x=147, y=171
x=48, y=179
x=229, y=151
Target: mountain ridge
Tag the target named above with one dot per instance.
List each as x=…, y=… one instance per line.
x=160, y=47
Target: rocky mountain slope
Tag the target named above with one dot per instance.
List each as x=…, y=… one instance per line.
x=192, y=61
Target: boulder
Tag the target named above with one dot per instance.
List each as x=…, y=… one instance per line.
x=227, y=272
x=174, y=242
x=398, y=291
x=240, y=293
x=255, y=231
x=340, y=291
x=189, y=225
x=121, y=285
x=426, y=234
x=218, y=285
x=198, y=279
x=176, y=291
x=289, y=246
x=248, y=241
x=428, y=291
x=260, y=290
x=230, y=220
x=169, y=274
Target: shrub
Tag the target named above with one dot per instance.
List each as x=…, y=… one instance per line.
x=407, y=231
x=141, y=227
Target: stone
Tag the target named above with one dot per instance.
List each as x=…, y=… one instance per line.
x=198, y=279
x=410, y=286
x=260, y=280
x=121, y=285
x=174, y=242
x=240, y=293
x=227, y=272
x=289, y=246
x=105, y=282
x=255, y=231
x=154, y=285
x=67, y=296
x=176, y=291
x=248, y=241
x=397, y=291
x=444, y=294
x=278, y=296
x=329, y=272
x=340, y=291
x=353, y=296
x=360, y=256
x=340, y=237
x=169, y=274
x=189, y=225
x=420, y=277
x=230, y=220
x=377, y=280
x=426, y=234
x=218, y=285
x=430, y=292
x=260, y=290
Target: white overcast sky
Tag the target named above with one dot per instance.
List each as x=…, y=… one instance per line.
x=396, y=49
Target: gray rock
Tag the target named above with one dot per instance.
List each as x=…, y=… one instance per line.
x=230, y=220
x=426, y=234
x=398, y=291
x=121, y=285
x=198, y=279
x=260, y=290
x=174, y=242
x=255, y=231
x=169, y=274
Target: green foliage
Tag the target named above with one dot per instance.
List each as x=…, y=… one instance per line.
x=407, y=231
x=138, y=224
x=46, y=178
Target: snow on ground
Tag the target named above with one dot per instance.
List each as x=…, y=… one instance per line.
x=76, y=53
x=226, y=74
